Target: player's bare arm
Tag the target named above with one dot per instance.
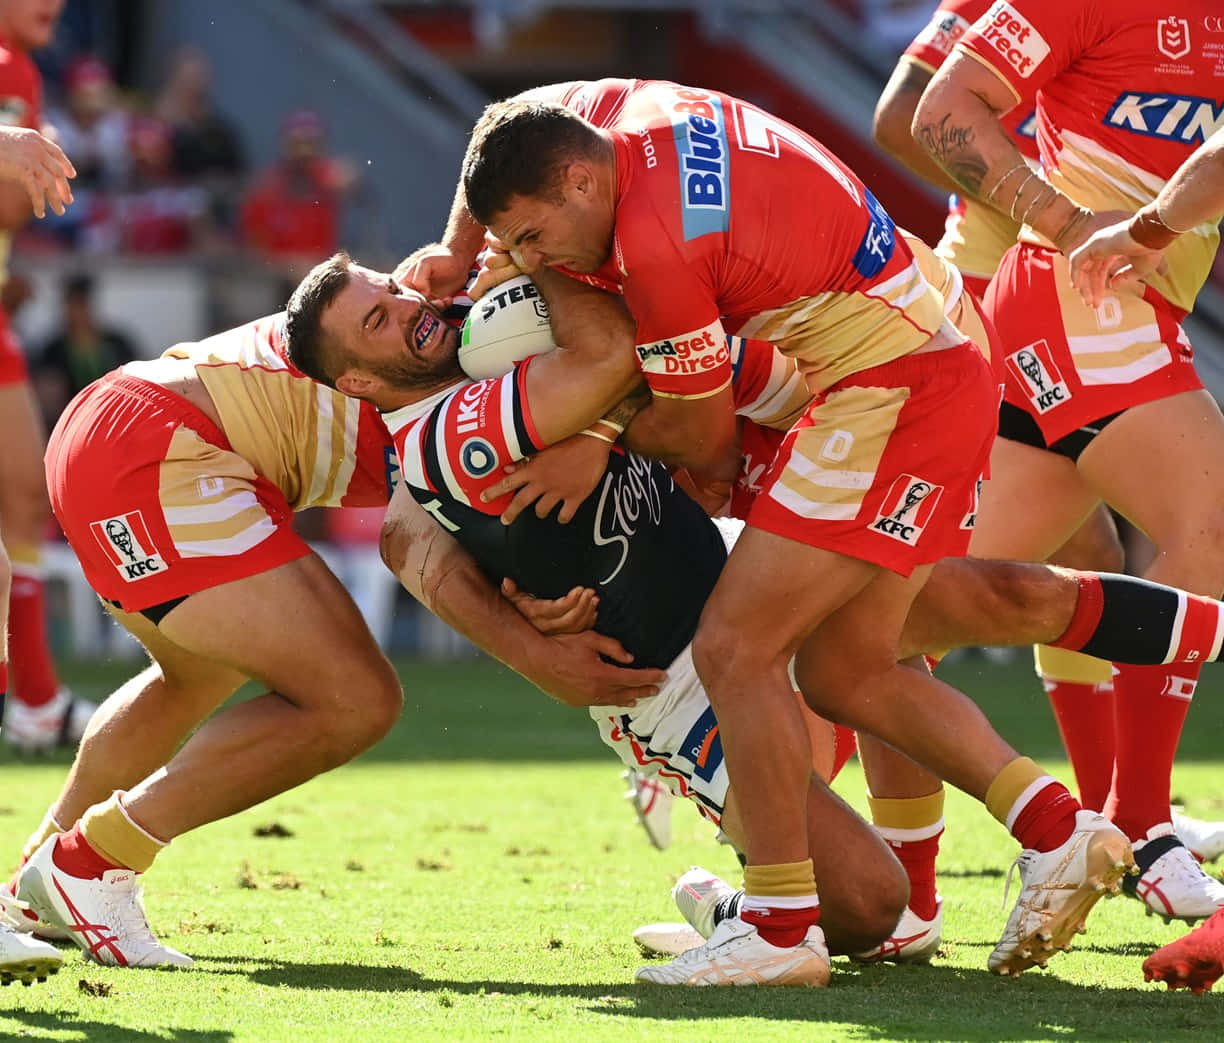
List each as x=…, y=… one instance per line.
x=892, y=126
x=694, y=433
x=568, y=472
x=957, y=123
x=592, y=371
x=1134, y=248
x=441, y=575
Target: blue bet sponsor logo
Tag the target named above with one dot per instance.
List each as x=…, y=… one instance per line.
x=1173, y=117
x=702, y=152
x=878, y=241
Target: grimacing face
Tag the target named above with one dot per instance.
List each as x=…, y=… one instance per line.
x=396, y=335
x=574, y=233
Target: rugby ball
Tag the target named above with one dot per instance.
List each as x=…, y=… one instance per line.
x=507, y=324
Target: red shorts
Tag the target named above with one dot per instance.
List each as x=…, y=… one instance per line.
x=885, y=465
x=1068, y=365
x=154, y=501
x=12, y=358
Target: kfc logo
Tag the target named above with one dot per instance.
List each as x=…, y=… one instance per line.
x=907, y=508
x=1036, y=370
x=1013, y=36
x=1173, y=37
x=127, y=545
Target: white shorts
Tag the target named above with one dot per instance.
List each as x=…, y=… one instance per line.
x=673, y=736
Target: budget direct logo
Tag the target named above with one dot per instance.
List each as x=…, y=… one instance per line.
x=692, y=353
x=1013, y=36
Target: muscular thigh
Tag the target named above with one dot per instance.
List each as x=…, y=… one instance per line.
x=1033, y=501
x=1161, y=465
x=293, y=627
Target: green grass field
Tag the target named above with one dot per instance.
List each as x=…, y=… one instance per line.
x=477, y=876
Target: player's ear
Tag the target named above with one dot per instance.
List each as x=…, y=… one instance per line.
x=580, y=178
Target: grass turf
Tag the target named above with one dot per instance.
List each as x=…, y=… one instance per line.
x=477, y=876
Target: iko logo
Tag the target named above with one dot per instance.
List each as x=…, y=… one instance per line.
x=1013, y=36
x=907, y=508
x=1043, y=382
x=1173, y=37
x=1173, y=117
x=127, y=545
x=699, y=130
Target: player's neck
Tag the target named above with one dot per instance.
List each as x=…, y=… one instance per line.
x=389, y=400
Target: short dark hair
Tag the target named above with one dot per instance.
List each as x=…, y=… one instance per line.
x=518, y=148
x=305, y=343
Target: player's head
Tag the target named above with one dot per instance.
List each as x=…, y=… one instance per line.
x=543, y=180
x=362, y=333
x=30, y=24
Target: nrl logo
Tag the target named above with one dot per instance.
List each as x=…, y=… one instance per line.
x=1173, y=37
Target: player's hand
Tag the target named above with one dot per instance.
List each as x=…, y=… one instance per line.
x=434, y=272
x=39, y=166
x=570, y=614
x=497, y=266
x=565, y=473
x=1111, y=258
x=577, y=676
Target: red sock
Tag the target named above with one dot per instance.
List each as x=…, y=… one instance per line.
x=3, y=678
x=1047, y=819
x=784, y=928
x=917, y=857
x=34, y=680
x=1085, y=715
x=1151, y=706
x=74, y=855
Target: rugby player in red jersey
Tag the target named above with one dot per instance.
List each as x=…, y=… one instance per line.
x=702, y=209
x=1102, y=403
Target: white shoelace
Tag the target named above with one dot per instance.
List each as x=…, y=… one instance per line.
x=125, y=912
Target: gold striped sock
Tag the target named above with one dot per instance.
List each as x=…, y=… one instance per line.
x=1009, y=784
x=1061, y=664
x=116, y=836
x=907, y=812
x=784, y=880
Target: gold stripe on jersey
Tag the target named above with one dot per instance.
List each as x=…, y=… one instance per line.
x=783, y=399
x=208, y=499
x=835, y=334
x=976, y=240
x=833, y=463
x=300, y=435
x=1117, y=343
x=1097, y=178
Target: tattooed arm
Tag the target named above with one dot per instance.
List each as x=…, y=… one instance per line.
x=957, y=122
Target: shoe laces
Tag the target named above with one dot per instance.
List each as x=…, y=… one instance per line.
x=1022, y=863
x=124, y=908
x=1182, y=867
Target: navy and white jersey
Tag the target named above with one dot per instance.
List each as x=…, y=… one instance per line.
x=638, y=540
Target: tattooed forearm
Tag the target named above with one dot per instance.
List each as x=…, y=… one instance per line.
x=629, y=406
x=954, y=149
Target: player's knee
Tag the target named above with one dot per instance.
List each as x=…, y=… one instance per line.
x=372, y=704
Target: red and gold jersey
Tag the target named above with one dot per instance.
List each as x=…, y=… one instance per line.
x=319, y=447
x=728, y=216
x=1125, y=91
x=976, y=236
